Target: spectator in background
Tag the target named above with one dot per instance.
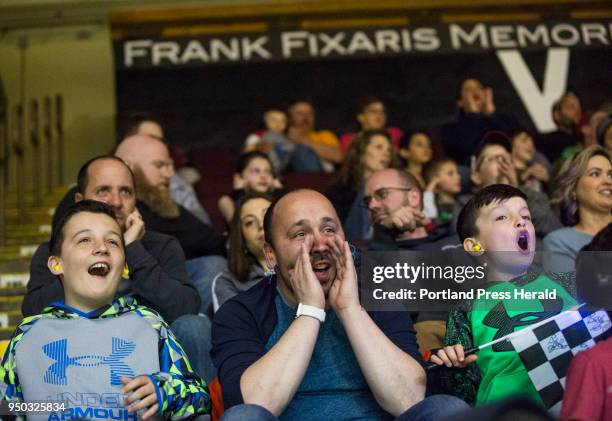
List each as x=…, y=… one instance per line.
x=584, y=196
x=604, y=132
x=443, y=186
x=394, y=202
x=370, y=151
x=532, y=173
x=477, y=116
x=272, y=140
x=493, y=165
x=315, y=151
x=372, y=115
x=588, y=130
x=181, y=190
x=246, y=260
x=204, y=248
x=566, y=113
x=254, y=173
x=416, y=150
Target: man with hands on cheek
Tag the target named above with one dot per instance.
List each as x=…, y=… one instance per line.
x=298, y=345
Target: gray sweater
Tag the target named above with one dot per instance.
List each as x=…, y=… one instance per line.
x=226, y=286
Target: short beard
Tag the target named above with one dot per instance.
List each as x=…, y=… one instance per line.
x=158, y=198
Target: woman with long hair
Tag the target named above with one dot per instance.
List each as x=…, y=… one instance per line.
x=584, y=198
x=246, y=258
x=370, y=151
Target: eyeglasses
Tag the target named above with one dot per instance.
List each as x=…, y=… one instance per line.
x=381, y=194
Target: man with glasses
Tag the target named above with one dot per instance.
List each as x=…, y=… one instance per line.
x=395, y=207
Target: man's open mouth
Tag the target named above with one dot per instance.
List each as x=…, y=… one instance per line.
x=523, y=240
x=321, y=270
x=99, y=269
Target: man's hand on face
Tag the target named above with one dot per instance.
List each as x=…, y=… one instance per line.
x=489, y=105
x=507, y=170
x=134, y=227
x=344, y=292
x=306, y=286
x=405, y=218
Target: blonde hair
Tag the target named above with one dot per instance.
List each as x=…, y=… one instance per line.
x=564, y=195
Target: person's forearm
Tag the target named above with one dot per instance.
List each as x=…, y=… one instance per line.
x=329, y=153
x=272, y=381
x=395, y=378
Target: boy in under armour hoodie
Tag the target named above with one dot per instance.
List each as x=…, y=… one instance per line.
x=104, y=358
x=495, y=226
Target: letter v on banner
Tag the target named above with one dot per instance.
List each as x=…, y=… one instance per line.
x=538, y=104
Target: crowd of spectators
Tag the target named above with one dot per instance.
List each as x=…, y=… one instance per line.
x=270, y=312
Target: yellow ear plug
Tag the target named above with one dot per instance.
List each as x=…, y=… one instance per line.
x=477, y=247
x=57, y=267
x=126, y=272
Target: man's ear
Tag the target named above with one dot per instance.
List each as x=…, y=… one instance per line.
x=472, y=246
x=78, y=197
x=270, y=257
x=459, y=104
x=55, y=265
x=414, y=198
x=476, y=178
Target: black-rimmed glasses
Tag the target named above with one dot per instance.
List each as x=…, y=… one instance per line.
x=381, y=194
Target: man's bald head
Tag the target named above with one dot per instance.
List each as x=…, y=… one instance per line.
x=149, y=156
x=290, y=203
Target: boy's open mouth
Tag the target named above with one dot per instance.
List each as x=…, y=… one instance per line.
x=523, y=240
x=99, y=269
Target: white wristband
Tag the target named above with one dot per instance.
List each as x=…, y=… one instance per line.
x=311, y=311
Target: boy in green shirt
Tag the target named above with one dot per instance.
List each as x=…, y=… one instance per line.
x=495, y=225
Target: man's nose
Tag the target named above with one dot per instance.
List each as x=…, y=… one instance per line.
x=319, y=242
x=115, y=200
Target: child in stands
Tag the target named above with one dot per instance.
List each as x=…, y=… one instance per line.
x=254, y=174
x=444, y=184
x=272, y=140
x=495, y=225
x=109, y=358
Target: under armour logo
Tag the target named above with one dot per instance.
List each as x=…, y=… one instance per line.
x=58, y=351
x=498, y=318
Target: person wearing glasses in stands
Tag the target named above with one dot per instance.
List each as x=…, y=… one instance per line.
x=394, y=201
x=395, y=206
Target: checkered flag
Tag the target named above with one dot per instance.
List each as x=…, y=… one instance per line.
x=547, y=349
